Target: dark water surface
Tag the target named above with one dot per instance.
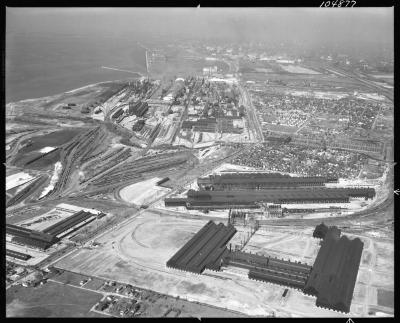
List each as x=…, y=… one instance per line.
x=46, y=64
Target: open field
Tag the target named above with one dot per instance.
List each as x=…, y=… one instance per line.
x=297, y=246
x=386, y=298
x=153, y=304
x=385, y=255
x=297, y=69
x=50, y=300
x=17, y=180
x=144, y=192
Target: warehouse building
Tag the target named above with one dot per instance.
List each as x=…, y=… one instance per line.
x=203, y=125
x=253, y=199
x=60, y=228
x=236, y=181
x=222, y=125
x=333, y=276
x=271, y=270
x=31, y=238
x=331, y=279
x=138, y=109
x=117, y=114
x=205, y=250
x=44, y=239
x=17, y=255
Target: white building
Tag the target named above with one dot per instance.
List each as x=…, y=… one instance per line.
x=209, y=71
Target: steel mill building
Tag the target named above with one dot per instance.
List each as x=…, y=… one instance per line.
x=44, y=239
x=257, y=181
x=252, y=198
x=331, y=279
x=334, y=274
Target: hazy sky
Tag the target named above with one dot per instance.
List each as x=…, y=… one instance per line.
x=351, y=25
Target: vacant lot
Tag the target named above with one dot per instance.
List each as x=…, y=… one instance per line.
x=70, y=278
x=296, y=246
x=386, y=298
x=297, y=69
x=143, y=192
x=50, y=300
x=385, y=256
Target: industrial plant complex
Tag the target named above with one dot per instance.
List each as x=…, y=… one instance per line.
x=247, y=190
x=331, y=279
x=210, y=177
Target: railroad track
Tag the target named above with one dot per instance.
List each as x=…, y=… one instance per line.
x=72, y=153
x=139, y=166
x=27, y=191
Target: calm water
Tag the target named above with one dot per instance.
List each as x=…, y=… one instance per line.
x=39, y=65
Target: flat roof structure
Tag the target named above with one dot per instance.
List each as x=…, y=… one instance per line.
x=33, y=238
x=333, y=276
x=204, y=250
x=44, y=239
x=68, y=223
x=17, y=255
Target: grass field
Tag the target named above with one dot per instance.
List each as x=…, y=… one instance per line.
x=50, y=300
x=154, y=305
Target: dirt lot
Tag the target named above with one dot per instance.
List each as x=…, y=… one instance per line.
x=50, y=300
x=386, y=298
x=144, y=192
x=385, y=256
x=70, y=278
x=298, y=245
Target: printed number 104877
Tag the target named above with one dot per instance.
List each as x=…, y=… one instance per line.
x=338, y=3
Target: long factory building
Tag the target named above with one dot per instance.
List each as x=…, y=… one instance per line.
x=334, y=274
x=252, y=198
x=204, y=250
x=207, y=250
x=269, y=269
x=331, y=279
x=246, y=180
x=17, y=255
x=31, y=238
x=44, y=239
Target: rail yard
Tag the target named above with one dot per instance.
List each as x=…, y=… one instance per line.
x=207, y=190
